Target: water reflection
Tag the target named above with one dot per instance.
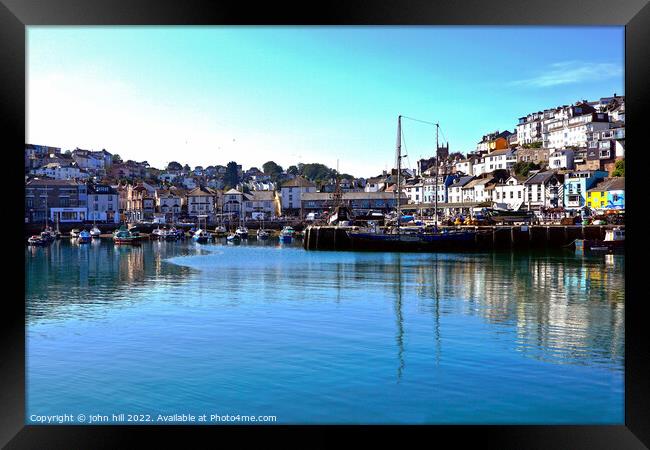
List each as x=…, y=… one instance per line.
x=561, y=308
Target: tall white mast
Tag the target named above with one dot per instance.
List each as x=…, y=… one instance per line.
x=399, y=170
x=435, y=209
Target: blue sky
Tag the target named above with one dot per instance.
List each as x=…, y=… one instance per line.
x=209, y=95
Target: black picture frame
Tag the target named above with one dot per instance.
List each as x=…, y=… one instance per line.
x=15, y=15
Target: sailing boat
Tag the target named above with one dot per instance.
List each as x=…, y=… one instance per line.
x=242, y=231
x=398, y=239
x=94, y=231
x=201, y=235
x=262, y=234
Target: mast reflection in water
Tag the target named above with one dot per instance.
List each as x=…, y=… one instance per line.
x=324, y=337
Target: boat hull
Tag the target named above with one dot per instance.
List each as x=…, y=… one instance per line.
x=599, y=246
x=442, y=242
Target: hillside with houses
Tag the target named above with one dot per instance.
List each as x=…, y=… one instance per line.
x=556, y=163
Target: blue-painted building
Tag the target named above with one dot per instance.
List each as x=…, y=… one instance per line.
x=576, y=185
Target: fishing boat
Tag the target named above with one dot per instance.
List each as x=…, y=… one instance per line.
x=74, y=233
x=201, y=236
x=84, y=237
x=233, y=238
x=124, y=236
x=242, y=232
x=286, y=234
x=614, y=242
x=400, y=238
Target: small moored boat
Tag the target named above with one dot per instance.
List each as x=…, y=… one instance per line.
x=84, y=237
x=233, y=238
x=286, y=234
x=123, y=236
x=37, y=241
x=242, y=232
x=201, y=236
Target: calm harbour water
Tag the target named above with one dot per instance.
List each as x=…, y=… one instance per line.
x=324, y=337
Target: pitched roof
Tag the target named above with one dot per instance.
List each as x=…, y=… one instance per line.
x=609, y=184
x=201, y=191
x=462, y=181
x=233, y=192
x=540, y=177
x=298, y=182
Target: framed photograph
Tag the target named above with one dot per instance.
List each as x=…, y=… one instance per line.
x=389, y=218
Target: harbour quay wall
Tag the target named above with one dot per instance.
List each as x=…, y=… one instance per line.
x=487, y=238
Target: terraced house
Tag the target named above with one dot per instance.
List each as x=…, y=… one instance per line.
x=607, y=194
x=62, y=200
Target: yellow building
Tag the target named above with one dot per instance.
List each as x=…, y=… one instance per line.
x=596, y=199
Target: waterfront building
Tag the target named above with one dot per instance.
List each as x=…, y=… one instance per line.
x=607, y=194
x=359, y=202
x=429, y=184
x=544, y=190
x=140, y=204
x=455, y=189
x=261, y=204
x=65, y=200
x=169, y=203
x=576, y=185
x=509, y=193
x=291, y=193
x=202, y=201
x=103, y=203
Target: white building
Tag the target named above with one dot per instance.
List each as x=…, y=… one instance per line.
x=543, y=190
x=292, y=190
x=232, y=203
x=465, y=166
x=573, y=132
x=561, y=159
x=168, y=203
x=510, y=193
x=201, y=201
x=455, y=189
x=103, y=203
x=60, y=171
x=260, y=204
x=499, y=159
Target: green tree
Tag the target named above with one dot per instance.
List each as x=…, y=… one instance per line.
x=116, y=158
x=231, y=177
x=293, y=170
x=619, y=168
x=317, y=172
x=174, y=166
x=271, y=168
x=522, y=168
